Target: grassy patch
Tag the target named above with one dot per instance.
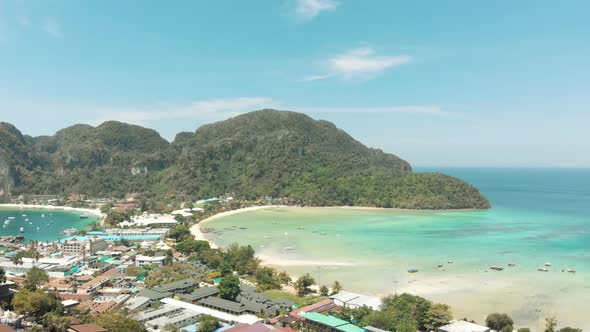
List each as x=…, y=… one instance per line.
x=301, y=301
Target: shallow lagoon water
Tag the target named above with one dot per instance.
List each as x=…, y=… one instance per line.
x=50, y=223
x=538, y=216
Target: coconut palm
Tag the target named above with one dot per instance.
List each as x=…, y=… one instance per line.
x=336, y=287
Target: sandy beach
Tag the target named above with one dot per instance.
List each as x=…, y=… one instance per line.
x=199, y=235
x=95, y=212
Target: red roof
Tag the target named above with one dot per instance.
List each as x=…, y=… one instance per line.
x=320, y=307
x=257, y=327
x=6, y=328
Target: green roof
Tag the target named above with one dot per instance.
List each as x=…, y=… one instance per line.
x=332, y=322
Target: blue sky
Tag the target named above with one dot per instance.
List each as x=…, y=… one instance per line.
x=439, y=83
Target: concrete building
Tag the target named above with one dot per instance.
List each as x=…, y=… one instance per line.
x=142, y=260
x=161, y=232
x=83, y=246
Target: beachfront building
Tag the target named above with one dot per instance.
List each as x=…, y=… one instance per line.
x=222, y=316
x=87, y=245
x=151, y=221
x=354, y=300
x=141, y=260
x=161, y=232
x=323, y=323
x=180, y=286
x=463, y=326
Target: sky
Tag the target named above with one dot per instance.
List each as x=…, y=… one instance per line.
x=456, y=83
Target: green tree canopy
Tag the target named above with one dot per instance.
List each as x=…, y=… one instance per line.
x=336, y=287
x=208, y=324
x=437, y=316
x=229, y=288
x=36, y=303
x=303, y=283
x=499, y=322
x=115, y=321
x=35, y=277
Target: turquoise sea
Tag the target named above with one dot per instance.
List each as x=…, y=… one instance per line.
x=40, y=224
x=539, y=216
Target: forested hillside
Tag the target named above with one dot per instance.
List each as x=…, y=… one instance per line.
x=262, y=153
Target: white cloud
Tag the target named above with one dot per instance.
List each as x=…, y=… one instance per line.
x=316, y=77
x=52, y=27
x=360, y=63
x=308, y=9
x=204, y=110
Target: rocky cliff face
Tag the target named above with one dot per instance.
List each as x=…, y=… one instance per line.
x=6, y=180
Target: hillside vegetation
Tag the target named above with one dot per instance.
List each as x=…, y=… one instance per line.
x=263, y=153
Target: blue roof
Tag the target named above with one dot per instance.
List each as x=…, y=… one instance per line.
x=96, y=233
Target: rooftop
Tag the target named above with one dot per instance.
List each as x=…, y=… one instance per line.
x=463, y=326
x=332, y=322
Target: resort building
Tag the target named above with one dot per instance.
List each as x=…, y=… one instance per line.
x=322, y=323
x=161, y=232
x=180, y=286
x=179, y=320
x=142, y=260
x=354, y=300
x=151, y=220
x=77, y=247
x=463, y=326
x=222, y=316
x=163, y=311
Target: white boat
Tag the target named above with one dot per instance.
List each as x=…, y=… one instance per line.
x=26, y=219
x=4, y=226
x=22, y=229
x=30, y=223
x=38, y=228
x=11, y=218
x=24, y=215
x=547, y=264
x=43, y=215
x=7, y=222
x=69, y=231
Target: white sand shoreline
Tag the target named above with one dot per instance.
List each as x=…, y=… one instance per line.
x=197, y=232
x=94, y=212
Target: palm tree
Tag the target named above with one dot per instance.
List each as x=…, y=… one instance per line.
x=336, y=287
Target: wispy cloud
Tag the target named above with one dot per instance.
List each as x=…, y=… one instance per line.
x=308, y=9
x=204, y=110
x=360, y=63
x=52, y=27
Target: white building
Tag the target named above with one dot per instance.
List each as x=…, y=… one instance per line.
x=463, y=326
x=151, y=220
x=354, y=300
x=161, y=232
x=141, y=260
